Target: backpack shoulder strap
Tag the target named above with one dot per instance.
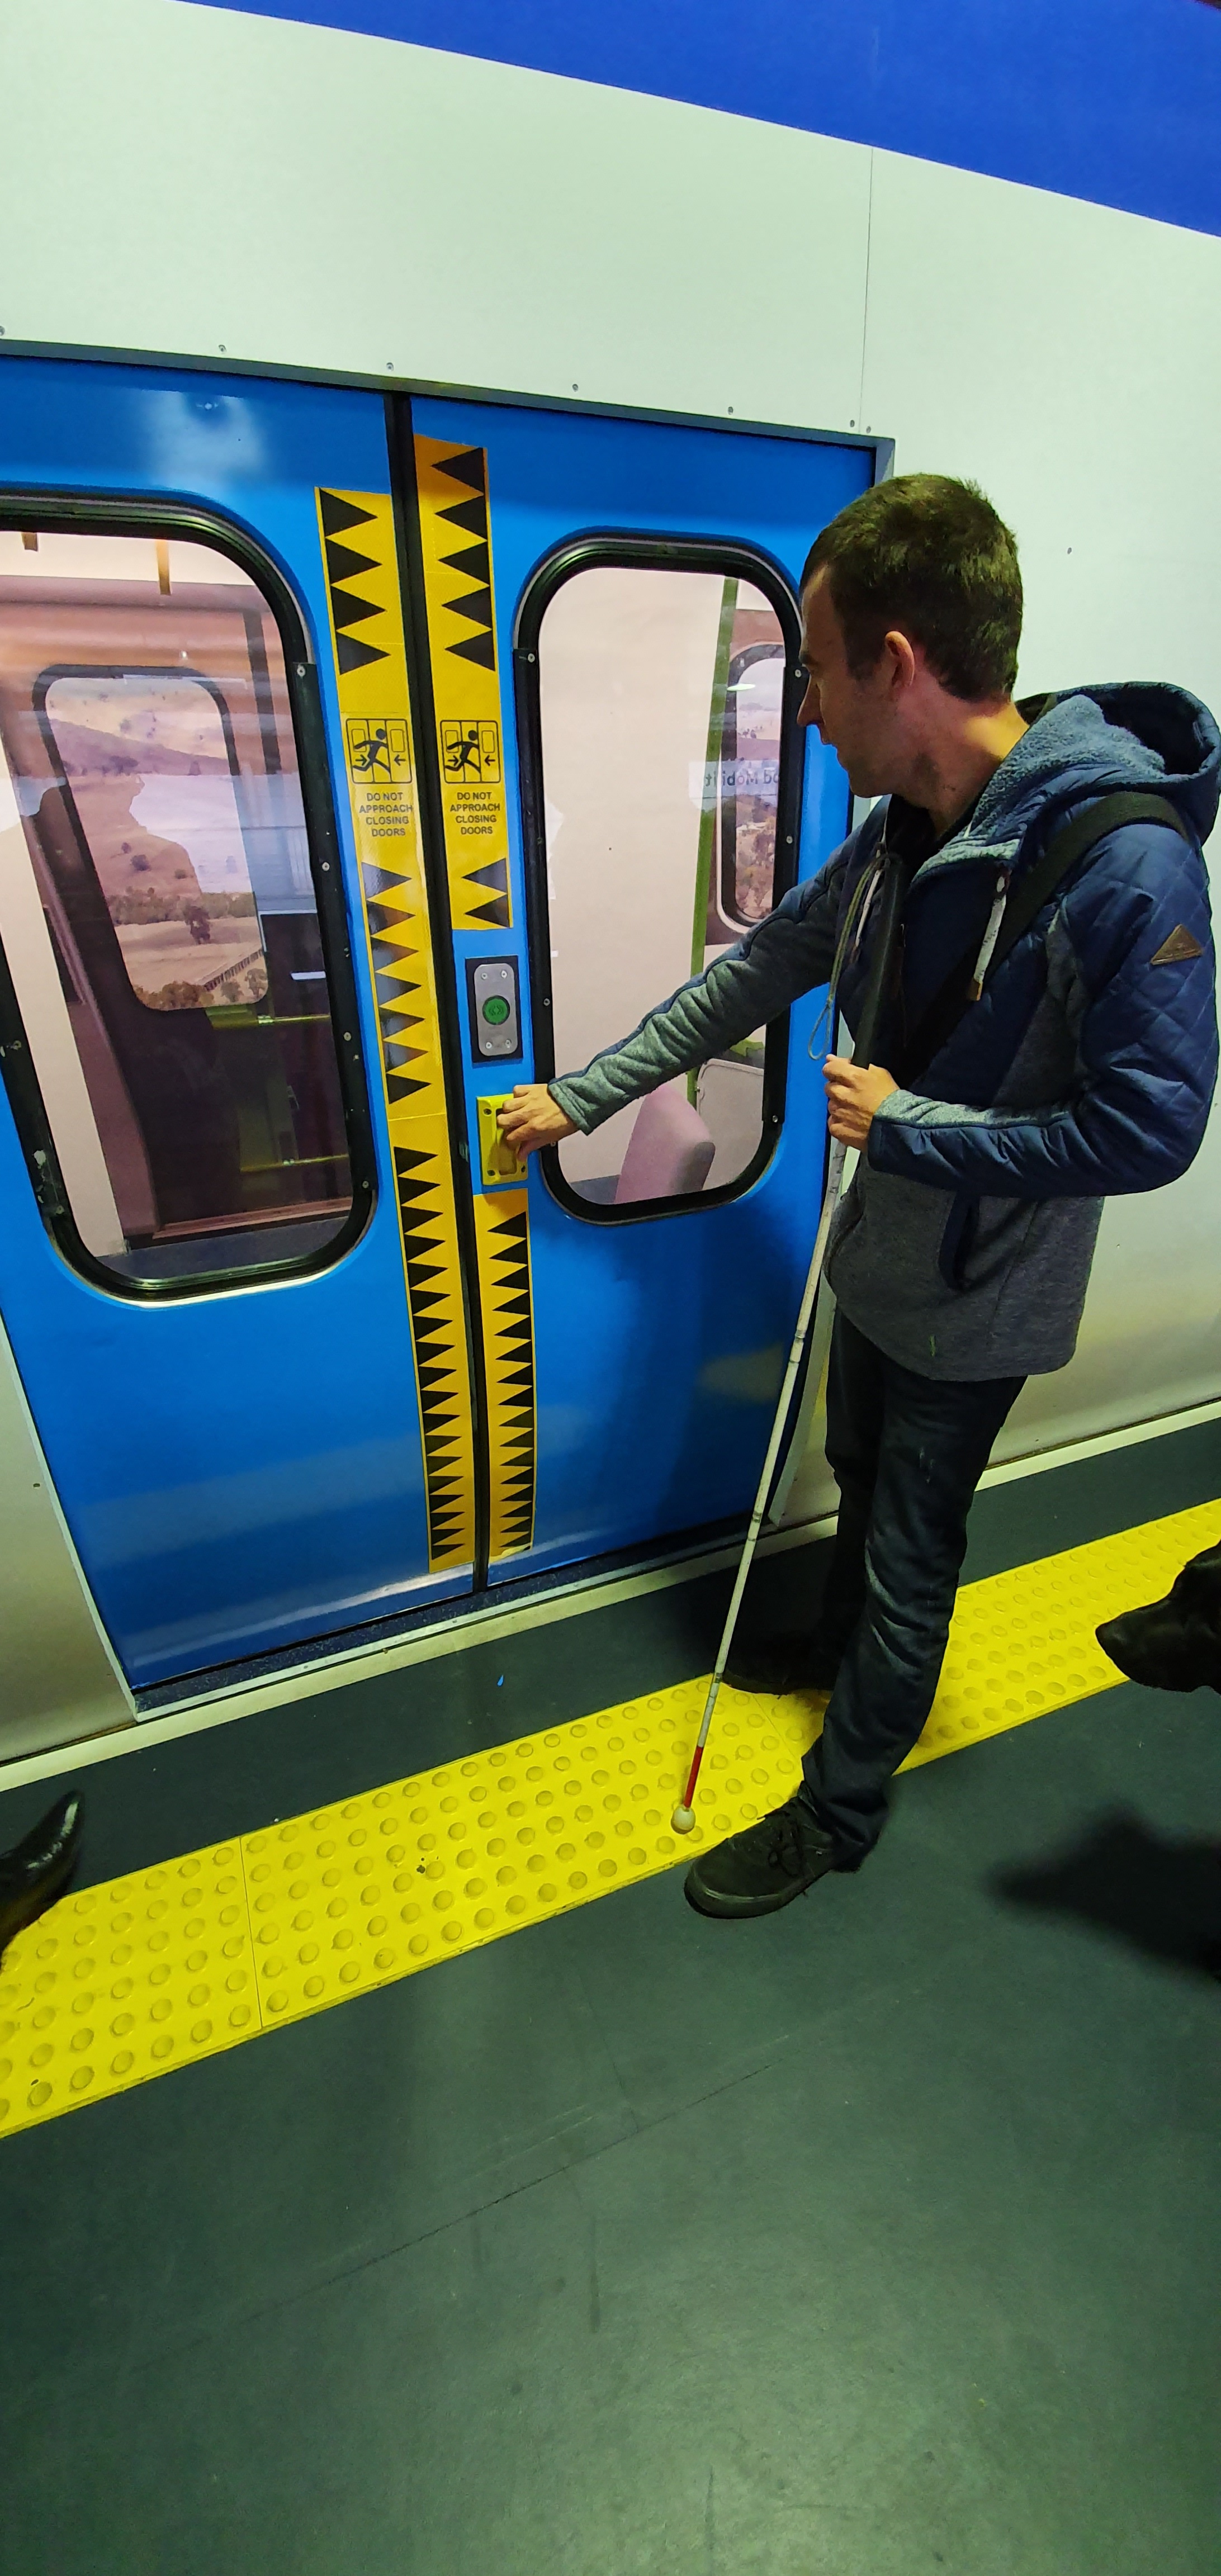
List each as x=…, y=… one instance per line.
x=1065, y=847
x=1026, y=899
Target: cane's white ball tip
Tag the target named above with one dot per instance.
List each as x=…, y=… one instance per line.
x=682, y=1820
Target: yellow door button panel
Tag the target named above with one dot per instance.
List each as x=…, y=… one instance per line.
x=497, y=1160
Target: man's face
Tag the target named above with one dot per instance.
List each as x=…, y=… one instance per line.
x=861, y=718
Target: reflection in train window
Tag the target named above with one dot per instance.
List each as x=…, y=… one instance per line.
x=749, y=778
x=157, y=907
x=660, y=695
x=181, y=880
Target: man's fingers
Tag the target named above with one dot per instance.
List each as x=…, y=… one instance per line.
x=522, y=1132
x=522, y=1110
x=532, y=1119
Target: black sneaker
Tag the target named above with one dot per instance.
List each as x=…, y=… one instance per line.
x=764, y=1867
x=792, y=1663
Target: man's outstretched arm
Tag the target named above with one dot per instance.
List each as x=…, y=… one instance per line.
x=788, y=954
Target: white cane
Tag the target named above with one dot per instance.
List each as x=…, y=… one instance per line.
x=683, y=1817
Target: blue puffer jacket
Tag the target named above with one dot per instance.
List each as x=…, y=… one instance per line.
x=964, y=1246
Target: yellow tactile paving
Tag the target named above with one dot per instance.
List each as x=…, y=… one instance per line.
x=128, y=1980
x=1023, y=1643
x=125, y=1981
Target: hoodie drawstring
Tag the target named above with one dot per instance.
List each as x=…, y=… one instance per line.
x=991, y=935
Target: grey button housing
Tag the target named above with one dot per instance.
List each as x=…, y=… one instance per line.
x=491, y=985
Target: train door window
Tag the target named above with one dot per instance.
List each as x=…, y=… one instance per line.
x=660, y=695
x=158, y=911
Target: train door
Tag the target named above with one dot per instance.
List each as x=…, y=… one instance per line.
x=636, y=800
x=230, y=1265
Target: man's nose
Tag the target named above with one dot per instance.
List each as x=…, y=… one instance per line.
x=808, y=712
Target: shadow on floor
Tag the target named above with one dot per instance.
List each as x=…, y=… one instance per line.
x=1160, y=1894
x=783, y=1598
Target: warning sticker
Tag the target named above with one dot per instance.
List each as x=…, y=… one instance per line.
x=459, y=594
x=379, y=749
x=469, y=750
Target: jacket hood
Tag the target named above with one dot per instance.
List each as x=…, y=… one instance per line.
x=1088, y=742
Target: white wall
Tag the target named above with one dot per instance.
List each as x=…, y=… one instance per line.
x=181, y=179
x=184, y=179
x=1062, y=354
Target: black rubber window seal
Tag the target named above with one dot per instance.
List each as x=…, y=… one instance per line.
x=122, y=515
x=616, y=547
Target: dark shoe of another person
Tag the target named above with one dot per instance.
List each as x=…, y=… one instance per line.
x=783, y=1663
x=1166, y=1646
x=763, y=1867
x=37, y=1870
x=1173, y=1644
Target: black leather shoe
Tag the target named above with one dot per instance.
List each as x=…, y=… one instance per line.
x=1163, y=1646
x=1173, y=1644
x=785, y=1663
x=764, y=1867
x=37, y=1870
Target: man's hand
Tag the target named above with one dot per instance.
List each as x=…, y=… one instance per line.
x=532, y=1118
x=854, y=1091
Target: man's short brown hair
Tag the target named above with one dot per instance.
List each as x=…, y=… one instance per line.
x=931, y=557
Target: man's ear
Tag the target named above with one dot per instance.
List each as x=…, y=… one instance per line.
x=902, y=664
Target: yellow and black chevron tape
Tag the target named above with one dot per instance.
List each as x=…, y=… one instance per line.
x=503, y=1235
x=357, y=530
x=456, y=544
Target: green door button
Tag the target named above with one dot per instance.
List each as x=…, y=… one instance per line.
x=496, y=1010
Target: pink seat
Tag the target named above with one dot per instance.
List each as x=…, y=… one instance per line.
x=670, y=1152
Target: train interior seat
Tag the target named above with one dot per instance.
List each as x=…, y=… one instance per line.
x=671, y=1151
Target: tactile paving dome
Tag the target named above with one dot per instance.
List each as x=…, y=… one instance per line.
x=125, y=1981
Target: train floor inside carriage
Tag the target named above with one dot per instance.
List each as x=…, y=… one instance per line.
x=876, y=2237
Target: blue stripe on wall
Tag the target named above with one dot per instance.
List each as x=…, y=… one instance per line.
x=1114, y=100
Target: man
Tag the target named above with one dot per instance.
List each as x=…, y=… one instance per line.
x=1000, y=1110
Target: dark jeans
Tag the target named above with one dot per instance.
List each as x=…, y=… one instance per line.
x=907, y=1453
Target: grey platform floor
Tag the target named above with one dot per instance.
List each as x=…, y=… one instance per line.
x=878, y=2237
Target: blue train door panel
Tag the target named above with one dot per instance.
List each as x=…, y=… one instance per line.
x=621, y=791
x=346, y=780
x=230, y=1264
